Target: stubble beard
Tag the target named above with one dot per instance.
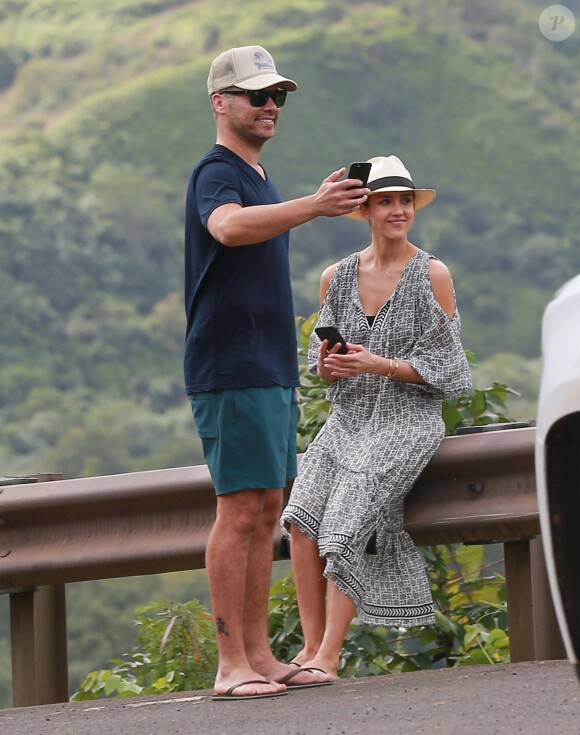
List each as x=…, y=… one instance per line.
x=252, y=135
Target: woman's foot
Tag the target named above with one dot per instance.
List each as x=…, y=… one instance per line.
x=324, y=666
x=303, y=656
x=294, y=675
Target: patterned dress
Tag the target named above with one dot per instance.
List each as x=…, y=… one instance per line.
x=353, y=479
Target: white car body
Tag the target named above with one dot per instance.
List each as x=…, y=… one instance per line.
x=557, y=459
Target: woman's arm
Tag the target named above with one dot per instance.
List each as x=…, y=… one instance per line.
x=325, y=279
x=360, y=360
x=323, y=350
x=442, y=286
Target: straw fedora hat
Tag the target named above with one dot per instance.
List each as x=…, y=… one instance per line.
x=388, y=173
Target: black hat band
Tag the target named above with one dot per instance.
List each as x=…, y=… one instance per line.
x=390, y=181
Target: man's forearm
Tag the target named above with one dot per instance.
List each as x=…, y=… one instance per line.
x=250, y=225
x=233, y=225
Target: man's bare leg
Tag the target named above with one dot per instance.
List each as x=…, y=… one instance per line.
x=308, y=569
x=258, y=578
x=227, y=562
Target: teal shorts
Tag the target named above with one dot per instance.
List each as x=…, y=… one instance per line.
x=248, y=436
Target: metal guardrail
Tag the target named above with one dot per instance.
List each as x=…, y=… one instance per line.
x=477, y=488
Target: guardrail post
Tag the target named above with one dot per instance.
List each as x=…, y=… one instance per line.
x=520, y=607
x=38, y=634
x=24, y=690
x=39, y=648
x=51, y=644
x=533, y=627
x=549, y=645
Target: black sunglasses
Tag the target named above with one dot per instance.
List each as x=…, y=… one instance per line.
x=259, y=97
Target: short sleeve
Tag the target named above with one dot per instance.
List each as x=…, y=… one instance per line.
x=438, y=355
x=216, y=183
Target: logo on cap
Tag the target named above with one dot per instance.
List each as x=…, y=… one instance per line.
x=263, y=61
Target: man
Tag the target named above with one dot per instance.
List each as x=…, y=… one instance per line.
x=240, y=361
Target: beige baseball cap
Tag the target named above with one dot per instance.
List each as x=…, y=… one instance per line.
x=246, y=67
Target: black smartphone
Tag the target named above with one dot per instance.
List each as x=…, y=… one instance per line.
x=333, y=336
x=359, y=170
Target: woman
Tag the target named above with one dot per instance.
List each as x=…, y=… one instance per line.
x=395, y=306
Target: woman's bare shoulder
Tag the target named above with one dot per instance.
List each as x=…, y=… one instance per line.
x=438, y=270
x=442, y=285
x=325, y=279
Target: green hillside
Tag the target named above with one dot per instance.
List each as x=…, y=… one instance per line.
x=103, y=112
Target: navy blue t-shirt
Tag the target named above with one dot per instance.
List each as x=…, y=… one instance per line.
x=238, y=300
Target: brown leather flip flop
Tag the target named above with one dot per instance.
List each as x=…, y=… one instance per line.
x=287, y=678
x=229, y=695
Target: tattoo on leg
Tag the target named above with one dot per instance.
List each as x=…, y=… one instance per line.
x=221, y=626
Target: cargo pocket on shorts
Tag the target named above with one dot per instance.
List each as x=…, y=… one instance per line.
x=204, y=414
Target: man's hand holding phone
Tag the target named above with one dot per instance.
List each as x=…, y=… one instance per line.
x=359, y=170
x=338, y=196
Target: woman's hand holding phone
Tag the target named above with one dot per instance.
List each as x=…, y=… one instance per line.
x=338, y=358
x=332, y=343
x=324, y=351
x=358, y=361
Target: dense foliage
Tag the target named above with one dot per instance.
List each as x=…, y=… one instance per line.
x=102, y=114
x=177, y=652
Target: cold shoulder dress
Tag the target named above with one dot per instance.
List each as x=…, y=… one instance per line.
x=379, y=436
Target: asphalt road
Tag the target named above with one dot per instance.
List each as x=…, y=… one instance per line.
x=540, y=698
